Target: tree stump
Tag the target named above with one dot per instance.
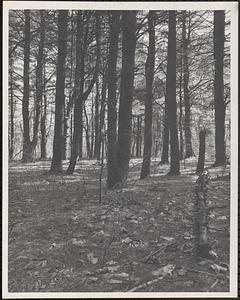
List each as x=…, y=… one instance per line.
x=201, y=215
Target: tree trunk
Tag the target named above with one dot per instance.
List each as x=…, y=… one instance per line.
x=139, y=136
x=171, y=105
x=165, y=147
x=187, y=106
x=218, y=36
x=27, y=149
x=69, y=105
x=96, y=145
x=180, y=111
x=102, y=115
x=78, y=96
x=58, y=142
x=43, y=128
x=201, y=154
x=112, y=100
x=126, y=95
x=11, y=137
x=88, y=144
x=149, y=70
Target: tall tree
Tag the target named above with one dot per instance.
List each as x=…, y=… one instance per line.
x=186, y=94
x=78, y=91
x=126, y=94
x=171, y=105
x=58, y=142
x=29, y=144
x=25, y=103
x=165, y=147
x=218, y=39
x=149, y=73
x=112, y=99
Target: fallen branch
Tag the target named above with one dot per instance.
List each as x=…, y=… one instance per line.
x=213, y=285
x=146, y=258
x=146, y=284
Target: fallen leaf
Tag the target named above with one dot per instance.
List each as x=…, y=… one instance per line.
x=182, y=272
x=92, y=259
x=164, y=271
x=167, y=238
x=114, y=281
x=218, y=268
x=78, y=242
x=123, y=275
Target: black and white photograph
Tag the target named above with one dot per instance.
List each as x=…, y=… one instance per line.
x=120, y=149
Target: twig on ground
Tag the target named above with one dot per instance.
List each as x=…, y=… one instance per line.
x=201, y=272
x=146, y=284
x=213, y=285
x=146, y=258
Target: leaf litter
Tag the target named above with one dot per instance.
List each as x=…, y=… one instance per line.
x=135, y=237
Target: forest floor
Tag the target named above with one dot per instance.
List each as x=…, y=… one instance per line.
x=62, y=240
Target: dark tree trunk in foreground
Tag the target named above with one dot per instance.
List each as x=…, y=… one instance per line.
x=218, y=36
x=149, y=70
x=187, y=105
x=112, y=100
x=27, y=151
x=58, y=142
x=201, y=153
x=171, y=105
x=165, y=147
x=126, y=94
x=181, y=108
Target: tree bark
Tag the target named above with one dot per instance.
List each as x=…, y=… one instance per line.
x=102, y=115
x=171, y=105
x=187, y=105
x=218, y=36
x=11, y=137
x=96, y=120
x=58, y=142
x=27, y=149
x=149, y=71
x=180, y=110
x=112, y=100
x=165, y=147
x=126, y=95
x=78, y=94
x=201, y=153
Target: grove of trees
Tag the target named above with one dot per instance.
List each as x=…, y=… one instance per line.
x=118, y=85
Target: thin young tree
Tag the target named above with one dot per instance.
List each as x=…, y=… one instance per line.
x=126, y=94
x=186, y=93
x=171, y=105
x=58, y=142
x=149, y=73
x=114, y=20
x=219, y=105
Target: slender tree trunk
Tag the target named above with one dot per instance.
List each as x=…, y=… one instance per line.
x=78, y=97
x=58, y=142
x=11, y=138
x=112, y=100
x=165, y=147
x=88, y=144
x=201, y=153
x=27, y=149
x=102, y=115
x=218, y=36
x=180, y=111
x=187, y=125
x=171, y=106
x=149, y=70
x=43, y=128
x=96, y=146
x=69, y=105
x=126, y=94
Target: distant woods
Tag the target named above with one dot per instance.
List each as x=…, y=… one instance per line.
x=118, y=85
